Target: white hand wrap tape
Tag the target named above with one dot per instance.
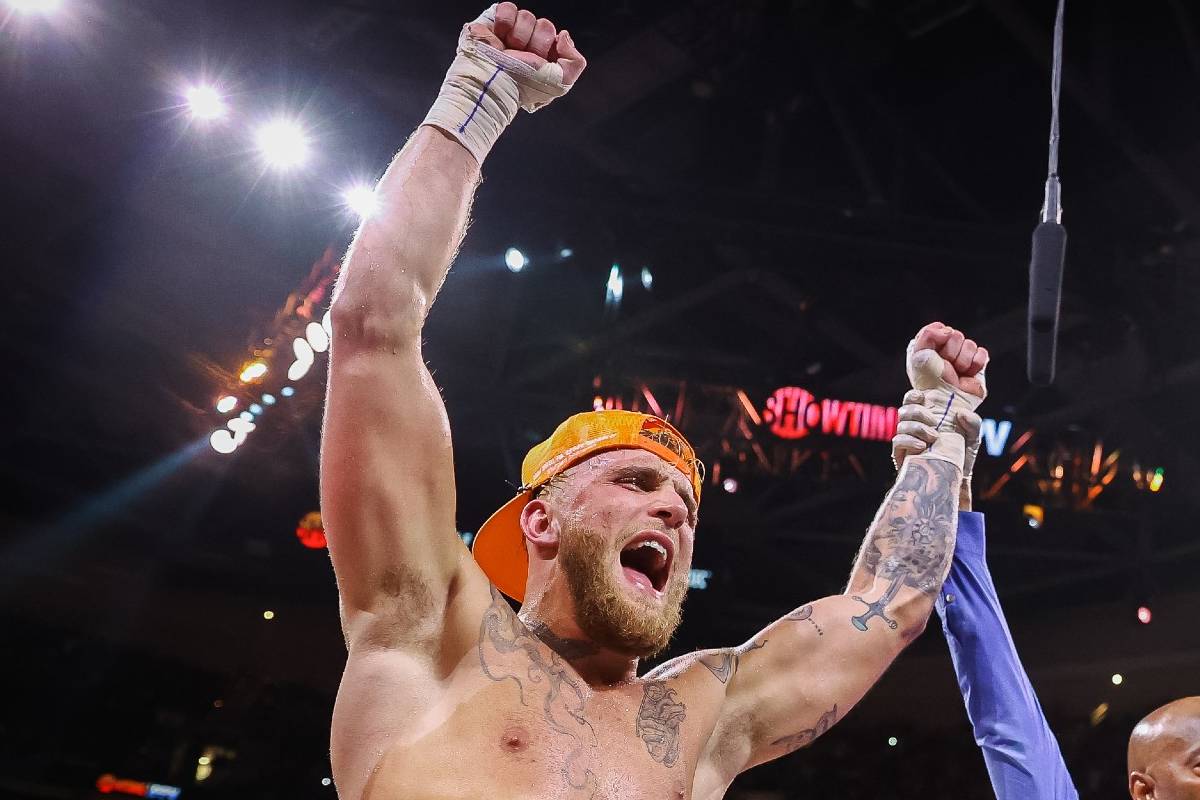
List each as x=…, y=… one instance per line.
x=484, y=87
x=944, y=403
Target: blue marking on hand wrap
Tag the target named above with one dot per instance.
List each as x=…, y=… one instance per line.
x=475, y=108
x=949, y=402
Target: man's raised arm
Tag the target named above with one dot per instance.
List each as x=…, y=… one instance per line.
x=387, y=481
x=804, y=672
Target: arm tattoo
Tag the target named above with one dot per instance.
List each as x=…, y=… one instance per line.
x=505, y=643
x=804, y=738
x=912, y=539
x=658, y=721
x=802, y=614
x=724, y=663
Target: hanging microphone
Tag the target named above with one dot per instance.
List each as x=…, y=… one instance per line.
x=1049, y=247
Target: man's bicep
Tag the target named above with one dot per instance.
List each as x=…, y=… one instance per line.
x=810, y=668
x=387, y=487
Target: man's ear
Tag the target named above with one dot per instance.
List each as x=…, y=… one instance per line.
x=540, y=529
x=1141, y=786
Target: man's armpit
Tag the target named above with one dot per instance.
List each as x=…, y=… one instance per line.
x=403, y=611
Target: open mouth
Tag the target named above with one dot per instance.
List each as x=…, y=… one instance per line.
x=646, y=560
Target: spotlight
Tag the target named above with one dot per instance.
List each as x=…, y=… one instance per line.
x=1035, y=515
x=226, y=404
x=614, y=289
x=1144, y=616
x=316, y=336
x=282, y=144
x=35, y=6
x=1117, y=679
x=255, y=409
x=362, y=200
x=222, y=441
x=205, y=103
x=647, y=279
x=268, y=615
x=253, y=371
x=893, y=741
x=515, y=260
x=304, y=359
x=730, y=485
x=268, y=399
x=1156, y=480
x=287, y=391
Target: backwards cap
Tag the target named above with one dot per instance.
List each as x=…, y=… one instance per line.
x=499, y=546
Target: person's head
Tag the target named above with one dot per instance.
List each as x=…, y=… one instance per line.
x=601, y=531
x=613, y=536
x=1164, y=753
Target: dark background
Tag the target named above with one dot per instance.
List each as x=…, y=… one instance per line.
x=809, y=181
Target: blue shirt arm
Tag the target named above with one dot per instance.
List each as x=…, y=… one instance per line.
x=1021, y=753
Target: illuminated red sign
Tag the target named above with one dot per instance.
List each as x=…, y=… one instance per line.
x=107, y=784
x=793, y=413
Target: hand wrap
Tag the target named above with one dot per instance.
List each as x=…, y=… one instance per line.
x=935, y=415
x=484, y=87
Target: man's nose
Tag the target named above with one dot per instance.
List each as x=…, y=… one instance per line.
x=670, y=509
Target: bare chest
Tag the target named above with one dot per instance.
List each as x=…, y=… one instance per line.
x=523, y=725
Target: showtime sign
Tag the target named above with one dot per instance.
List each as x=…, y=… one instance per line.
x=793, y=413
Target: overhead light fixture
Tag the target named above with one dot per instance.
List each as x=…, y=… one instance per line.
x=282, y=144
x=515, y=260
x=205, y=103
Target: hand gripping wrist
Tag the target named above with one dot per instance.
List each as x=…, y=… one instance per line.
x=945, y=404
x=484, y=87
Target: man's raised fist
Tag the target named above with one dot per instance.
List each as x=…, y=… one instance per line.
x=532, y=40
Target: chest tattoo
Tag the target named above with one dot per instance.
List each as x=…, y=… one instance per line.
x=658, y=721
x=509, y=652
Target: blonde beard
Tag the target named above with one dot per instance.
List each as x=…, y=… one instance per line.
x=605, y=611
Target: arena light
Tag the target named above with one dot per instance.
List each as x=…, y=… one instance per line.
x=565, y=253
x=1117, y=679
x=226, y=404
x=614, y=289
x=326, y=781
x=222, y=441
x=647, y=279
x=35, y=6
x=515, y=260
x=1156, y=480
x=1144, y=615
x=268, y=615
x=730, y=485
x=317, y=338
x=205, y=103
x=1035, y=515
x=362, y=200
x=268, y=399
x=282, y=143
x=287, y=391
x=253, y=371
x=255, y=409
x=304, y=359
x=893, y=741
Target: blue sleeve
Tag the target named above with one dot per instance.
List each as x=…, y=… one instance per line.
x=1021, y=753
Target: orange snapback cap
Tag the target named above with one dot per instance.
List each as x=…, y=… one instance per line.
x=499, y=546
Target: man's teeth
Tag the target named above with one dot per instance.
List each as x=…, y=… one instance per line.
x=658, y=548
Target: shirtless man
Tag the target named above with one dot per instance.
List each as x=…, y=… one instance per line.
x=447, y=693
x=1164, y=753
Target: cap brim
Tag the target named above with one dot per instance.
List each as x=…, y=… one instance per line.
x=499, y=548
